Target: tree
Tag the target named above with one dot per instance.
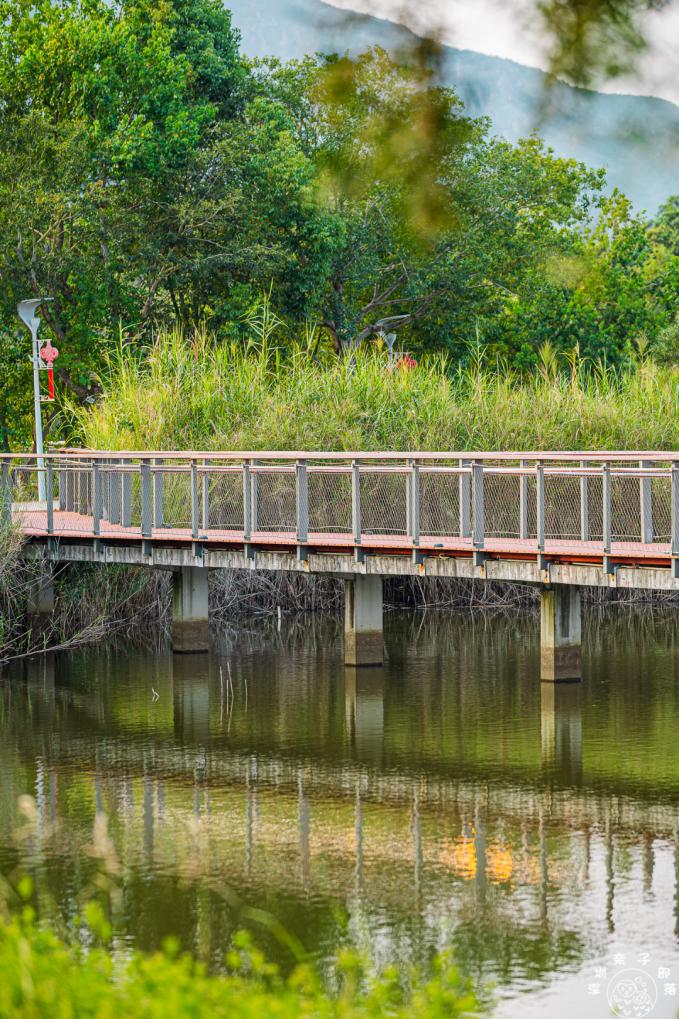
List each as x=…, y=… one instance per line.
x=505, y=244
x=102, y=107
x=385, y=142
x=665, y=228
x=141, y=177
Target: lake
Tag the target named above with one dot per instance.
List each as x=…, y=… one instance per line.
x=446, y=801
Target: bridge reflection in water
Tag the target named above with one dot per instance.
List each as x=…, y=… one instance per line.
x=445, y=800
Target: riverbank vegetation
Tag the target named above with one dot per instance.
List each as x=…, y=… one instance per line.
x=193, y=392
x=42, y=977
x=91, y=603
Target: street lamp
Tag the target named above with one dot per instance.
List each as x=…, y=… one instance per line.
x=26, y=311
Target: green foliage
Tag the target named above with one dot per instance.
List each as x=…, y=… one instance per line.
x=41, y=977
x=137, y=184
x=665, y=228
x=593, y=39
x=149, y=177
x=191, y=393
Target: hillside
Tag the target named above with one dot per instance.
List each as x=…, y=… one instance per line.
x=635, y=138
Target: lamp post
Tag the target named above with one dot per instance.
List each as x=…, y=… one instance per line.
x=26, y=311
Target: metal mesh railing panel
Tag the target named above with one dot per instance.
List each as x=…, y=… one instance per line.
x=563, y=519
x=440, y=504
x=73, y=485
x=625, y=509
x=329, y=502
x=384, y=502
x=224, y=493
x=661, y=502
x=595, y=510
x=501, y=505
x=276, y=501
x=176, y=499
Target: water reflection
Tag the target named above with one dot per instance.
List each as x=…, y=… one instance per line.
x=449, y=799
x=561, y=730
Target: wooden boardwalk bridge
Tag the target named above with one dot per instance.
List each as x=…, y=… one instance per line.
x=560, y=520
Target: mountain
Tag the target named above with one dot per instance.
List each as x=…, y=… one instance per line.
x=635, y=138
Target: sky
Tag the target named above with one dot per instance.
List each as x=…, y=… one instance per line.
x=503, y=29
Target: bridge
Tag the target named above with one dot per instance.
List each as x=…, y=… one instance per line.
x=558, y=520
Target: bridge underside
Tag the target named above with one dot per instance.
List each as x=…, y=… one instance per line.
x=631, y=564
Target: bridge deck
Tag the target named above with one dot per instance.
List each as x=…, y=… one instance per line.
x=71, y=525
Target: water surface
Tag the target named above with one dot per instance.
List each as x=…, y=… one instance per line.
x=445, y=801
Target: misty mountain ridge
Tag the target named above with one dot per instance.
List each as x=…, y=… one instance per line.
x=635, y=138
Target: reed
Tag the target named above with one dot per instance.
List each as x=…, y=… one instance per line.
x=197, y=393
x=93, y=603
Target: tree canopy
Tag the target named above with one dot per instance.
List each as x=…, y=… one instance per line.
x=149, y=176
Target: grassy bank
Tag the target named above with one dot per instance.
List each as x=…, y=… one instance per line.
x=197, y=394
x=41, y=977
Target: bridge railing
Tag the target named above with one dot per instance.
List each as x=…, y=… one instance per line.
x=601, y=501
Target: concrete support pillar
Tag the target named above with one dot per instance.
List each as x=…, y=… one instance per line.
x=560, y=633
x=363, y=639
x=189, y=609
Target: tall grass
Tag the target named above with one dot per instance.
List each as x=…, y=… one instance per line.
x=195, y=393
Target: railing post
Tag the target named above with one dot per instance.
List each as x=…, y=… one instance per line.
x=465, y=501
x=63, y=488
x=414, y=475
x=115, y=489
x=540, y=503
x=254, y=492
x=523, y=501
x=195, y=505
x=606, y=508
x=158, y=515
x=146, y=499
x=97, y=501
x=675, y=515
x=302, y=501
x=584, y=504
x=478, y=524
x=646, y=504
x=356, y=502
x=126, y=501
x=247, y=501
x=49, y=494
x=205, y=497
